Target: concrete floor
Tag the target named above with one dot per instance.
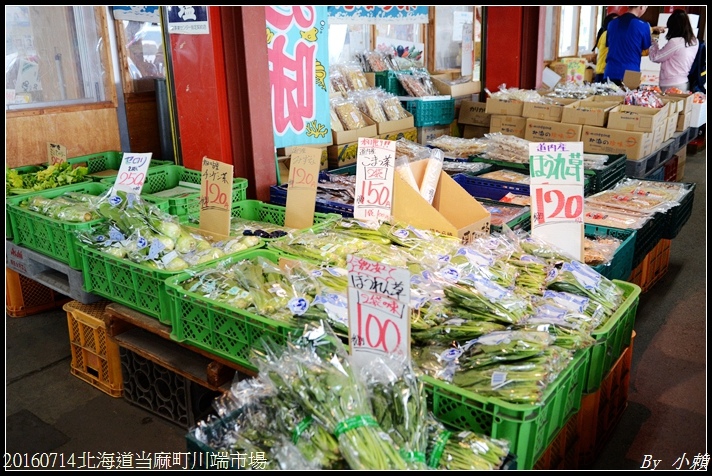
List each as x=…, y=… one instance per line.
x=50, y=410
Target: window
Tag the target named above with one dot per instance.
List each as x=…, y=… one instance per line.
x=54, y=56
x=570, y=30
x=143, y=52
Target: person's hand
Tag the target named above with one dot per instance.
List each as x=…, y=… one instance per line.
x=659, y=29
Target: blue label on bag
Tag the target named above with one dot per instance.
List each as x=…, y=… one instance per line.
x=141, y=243
x=115, y=201
x=156, y=247
x=115, y=234
x=298, y=306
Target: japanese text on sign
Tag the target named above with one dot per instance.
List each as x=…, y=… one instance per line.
x=132, y=173
x=374, y=179
x=301, y=191
x=56, y=153
x=297, y=55
x=379, y=313
x=216, y=196
x=557, y=194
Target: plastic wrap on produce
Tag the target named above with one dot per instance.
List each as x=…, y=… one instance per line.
x=507, y=148
x=457, y=147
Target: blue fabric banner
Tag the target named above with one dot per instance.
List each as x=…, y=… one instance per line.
x=298, y=56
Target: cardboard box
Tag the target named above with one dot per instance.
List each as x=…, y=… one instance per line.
x=503, y=108
x=699, y=114
x=473, y=113
x=509, y=125
x=429, y=133
x=601, y=140
x=474, y=132
x=632, y=79
x=637, y=118
x=545, y=112
x=440, y=81
x=550, y=131
x=454, y=212
x=610, y=98
x=659, y=135
x=409, y=134
x=347, y=137
x=675, y=104
x=683, y=121
x=671, y=126
x=587, y=113
x=395, y=126
x=689, y=100
x=681, y=159
x=287, y=151
x=342, y=154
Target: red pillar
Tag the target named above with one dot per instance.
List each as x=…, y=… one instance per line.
x=503, y=47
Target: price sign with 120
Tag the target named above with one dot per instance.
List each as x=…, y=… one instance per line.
x=132, y=172
x=556, y=189
x=379, y=311
x=374, y=178
x=304, y=165
x=216, y=196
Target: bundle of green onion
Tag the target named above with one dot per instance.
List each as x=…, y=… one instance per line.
x=465, y=450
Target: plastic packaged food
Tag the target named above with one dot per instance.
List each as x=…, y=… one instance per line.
x=432, y=175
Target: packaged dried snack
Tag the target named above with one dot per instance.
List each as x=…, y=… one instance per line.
x=349, y=114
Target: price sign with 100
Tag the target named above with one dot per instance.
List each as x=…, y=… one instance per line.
x=379, y=311
x=556, y=189
x=132, y=172
x=374, y=178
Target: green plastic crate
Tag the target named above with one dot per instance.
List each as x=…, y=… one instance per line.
x=134, y=285
x=103, y=161
x=256, y=210
x=389, y=82
x=48, y=236
x=612, y=337
x=219, y=328
x=528, y=428
x=166, y=177
x=431, y=112
x=522, y=222
x=621, y=265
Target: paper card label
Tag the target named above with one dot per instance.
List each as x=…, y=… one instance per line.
x=132, y=173
x=379, y=310
x=216, y=196
x=301, y=190
x=56, y=153
x=374, y=179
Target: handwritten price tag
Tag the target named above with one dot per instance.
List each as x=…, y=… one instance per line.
x=374, y=178
x=132, y=173
x=216, y=196
x=379, y=311
x=304, y=167
x=56, y=153
x=556, y=190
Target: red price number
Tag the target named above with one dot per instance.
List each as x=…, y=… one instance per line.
x=215, y=194
x=564, y=207
x=302, y=178
x=375, y=193
x=132, y=178
x=378, y=332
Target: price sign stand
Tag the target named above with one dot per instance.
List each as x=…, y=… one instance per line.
x=379, y=311
x=132, y=173
x=556, y=190
x=304, y=167
x=216, y=196
x=375, y=165
x=56, y=153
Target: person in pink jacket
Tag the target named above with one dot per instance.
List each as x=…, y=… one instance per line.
x=678, y=54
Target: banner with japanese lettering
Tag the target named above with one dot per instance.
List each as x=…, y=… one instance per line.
x=351, y=14
x=298, y=57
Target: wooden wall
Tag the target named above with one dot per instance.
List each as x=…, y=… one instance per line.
x=82, y=131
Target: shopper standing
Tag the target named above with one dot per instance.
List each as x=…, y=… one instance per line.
x=678, y=54
x=627, y=37
x=602, y=48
